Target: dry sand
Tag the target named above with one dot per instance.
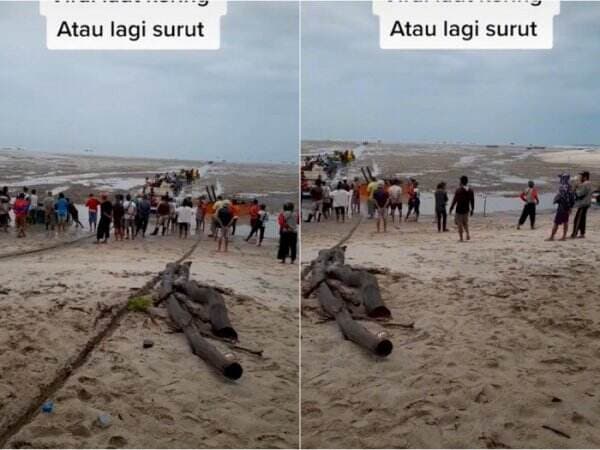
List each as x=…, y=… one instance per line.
x=159, y=397
x=506, y=341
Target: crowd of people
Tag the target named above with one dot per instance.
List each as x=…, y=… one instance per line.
x=385, y=199
x=129, y=216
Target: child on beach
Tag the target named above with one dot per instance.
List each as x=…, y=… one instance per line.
x=382, y=201
x=464, y=201
x=441, y=200
x=564, y=199
x=531, y=199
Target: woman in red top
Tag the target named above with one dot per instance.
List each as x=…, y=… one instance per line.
x=21, y=207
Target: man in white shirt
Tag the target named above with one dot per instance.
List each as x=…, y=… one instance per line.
x=185, y=215
x=341, y=199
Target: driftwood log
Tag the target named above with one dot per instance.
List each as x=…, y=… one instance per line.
x=341, y=291
x=191, y=308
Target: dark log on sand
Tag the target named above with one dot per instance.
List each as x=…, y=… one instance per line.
x=351, y=329
x=227, y=366
x=215, y=305
x=367, y=286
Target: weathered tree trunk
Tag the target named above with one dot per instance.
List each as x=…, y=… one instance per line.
x=217, y=311
x=200, y=346
x=351, y=329
x=367, y=286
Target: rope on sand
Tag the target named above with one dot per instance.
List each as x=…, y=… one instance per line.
x=74, y=363
x=18, y=254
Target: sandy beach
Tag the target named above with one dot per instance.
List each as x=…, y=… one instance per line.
x=56, y=301
x=504, y=350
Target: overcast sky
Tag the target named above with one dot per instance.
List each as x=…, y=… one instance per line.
x=353, y=90
x=239, y=103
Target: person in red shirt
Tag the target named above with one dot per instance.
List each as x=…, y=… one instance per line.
x=21, y=208
x=254, y=212
x=235, y=210
x=92, y=206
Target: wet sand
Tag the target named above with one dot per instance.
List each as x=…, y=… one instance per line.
x=504, y=348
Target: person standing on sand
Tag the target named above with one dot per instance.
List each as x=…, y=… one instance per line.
x=340, y=199
x=130, y=215
x=316, y=195
x=143, y=215
x=371, y=188
x=414, y=200
x=583, y=196
x=395, y=192
x=21, y=209
x=288, y=233
x=441, y=200
x=564, y=199
x=531, y=199
x=185, y=214
x=62, y=211
x=33, y=207
x=49, y=212
x=201, y=209
x=224, y=220
x=163, y=211
x=106, y=215
x=92, y=204
x=119, y=218
x=382, y=201
x=4, y=213
x=235, y=210
x=464, y=201
x=355, y=206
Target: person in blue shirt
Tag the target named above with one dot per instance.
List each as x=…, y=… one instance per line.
x=62, y=211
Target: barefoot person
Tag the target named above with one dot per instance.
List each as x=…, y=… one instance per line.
x=395, y=192
x=74, y=213
x=531, y=199
x=92, y=204
x=382, y=202
x=21, y=209
x=441, y=202
x=185, y=215
x=224, y=220
x=464, y=201
x=341, y=200
x=62, y=211
x=564, y=199
x=583, y=201
x=288, y=233
x=106, y=215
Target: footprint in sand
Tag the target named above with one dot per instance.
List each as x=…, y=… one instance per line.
x=117, y=442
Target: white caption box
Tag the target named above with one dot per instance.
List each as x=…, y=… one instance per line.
x=134, y=25
x=446, y=25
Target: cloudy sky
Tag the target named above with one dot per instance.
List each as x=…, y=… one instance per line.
x=353, y=90
x=239, y=103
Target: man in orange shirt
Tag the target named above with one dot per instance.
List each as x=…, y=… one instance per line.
x=254, y=212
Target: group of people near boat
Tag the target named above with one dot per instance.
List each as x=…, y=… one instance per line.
x=129, y=216
x=385, y=199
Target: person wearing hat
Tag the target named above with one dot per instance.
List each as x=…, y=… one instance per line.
x=583, y=201
x=531, y=199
